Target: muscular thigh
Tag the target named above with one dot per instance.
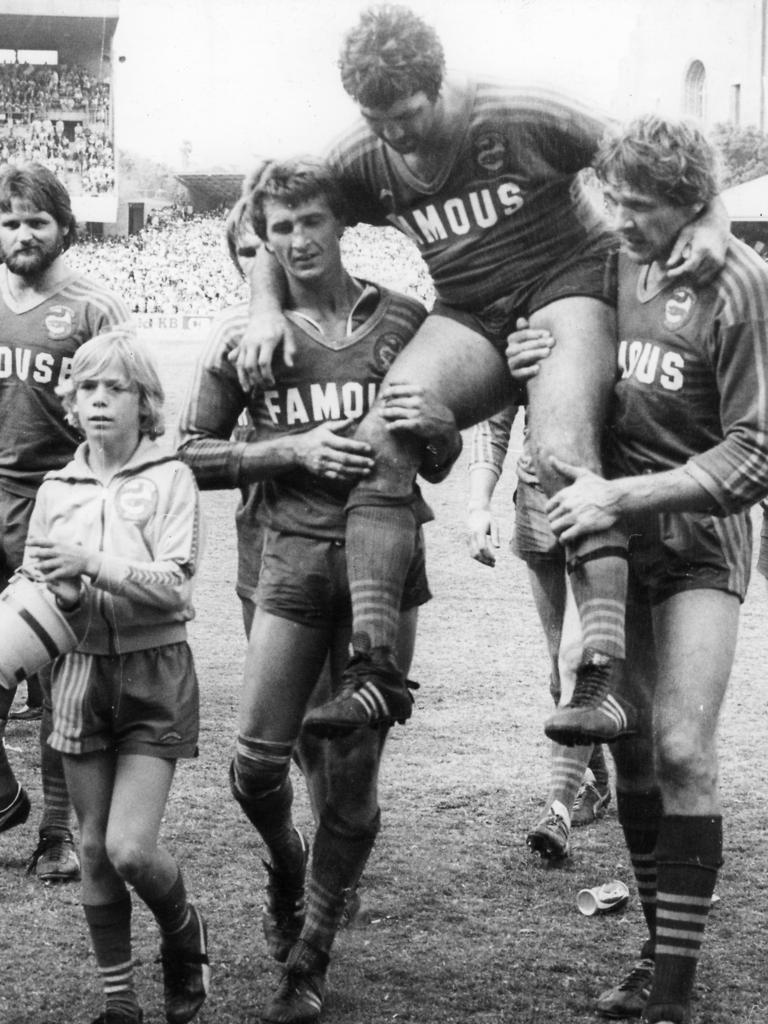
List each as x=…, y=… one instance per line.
x=568, y=399
x=459, y=365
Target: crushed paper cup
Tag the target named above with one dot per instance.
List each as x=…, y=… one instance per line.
x=603, y=899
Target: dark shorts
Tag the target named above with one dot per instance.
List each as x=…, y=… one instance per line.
x=145, y=702
x=15, y=513
x=250, y=541
x=305, y=580
x=671, y=552
x=533, y=539
x=587, y=273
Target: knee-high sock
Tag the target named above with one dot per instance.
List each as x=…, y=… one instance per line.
x=640, y=817
x=597, y=765
x=262, y=786
x=57, y=807
x=110, y=928
x=381, y=537
x=566, y=773
x=171, y=911
x=688, y=855
x=339, y=855
x=597, y=569
x=9, y=787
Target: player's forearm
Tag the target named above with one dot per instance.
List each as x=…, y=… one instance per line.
x=264, y=459
x=482, y=484
x=267, y=283
x=715, y=216
x=674, y=490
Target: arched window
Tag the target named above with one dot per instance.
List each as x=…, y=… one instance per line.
x=695, y=85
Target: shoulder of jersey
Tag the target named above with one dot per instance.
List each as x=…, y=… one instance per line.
x=743, y=282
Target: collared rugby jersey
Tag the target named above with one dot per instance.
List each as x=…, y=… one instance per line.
x=507, y=205
x=693, y=387
x=36, y=350
x=324, y=384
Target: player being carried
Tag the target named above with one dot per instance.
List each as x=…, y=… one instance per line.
x=485, y=179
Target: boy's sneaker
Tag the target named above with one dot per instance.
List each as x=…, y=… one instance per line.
x=186, y=973
x=550, y=837
x=54, y=858
x=373, y=693
x=628, y=998
x=117, y=1017
x=590, y=804
x=595, y=714
x=17, y=811
x=282, y=916
x=299, y=996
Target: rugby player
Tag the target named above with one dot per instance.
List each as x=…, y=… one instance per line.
x=686, y=459
x=46, y=312
x=346, y=333
x=485, y=179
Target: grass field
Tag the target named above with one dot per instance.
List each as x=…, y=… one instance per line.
x=463, y=924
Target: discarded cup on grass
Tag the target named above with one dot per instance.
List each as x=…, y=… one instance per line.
x=603, y=899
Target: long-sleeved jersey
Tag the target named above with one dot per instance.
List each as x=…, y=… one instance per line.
x=506, y=206
x=693, y=386
x=36, y=350
x=325, y=383
x=146, y=525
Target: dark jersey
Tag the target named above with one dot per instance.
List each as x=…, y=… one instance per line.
x=507, y=206
x=36, y=350
x=325, y=383
x=693, y=388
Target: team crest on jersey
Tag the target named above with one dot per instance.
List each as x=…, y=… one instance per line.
x=679, y=308
x=385, y=350
x=60, y=321
x=136, y=500
x=491, y=151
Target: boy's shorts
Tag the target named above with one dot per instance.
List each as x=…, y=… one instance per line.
x=762, y=558
x=305, y=580
x=671, y=552
x=587, y=273
x=144, y=702
x=250, y=541
x=532, y=538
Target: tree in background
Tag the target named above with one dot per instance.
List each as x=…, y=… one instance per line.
x=743, y=153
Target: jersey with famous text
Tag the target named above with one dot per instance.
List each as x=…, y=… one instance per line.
x=693, y=387
x=36, y=350
x=325, y=383
x=507, y=206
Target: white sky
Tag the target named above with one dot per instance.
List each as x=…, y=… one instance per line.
x=242, y=78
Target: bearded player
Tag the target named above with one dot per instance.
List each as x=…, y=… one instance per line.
x=46, y=312
x=686, y=458
x=485, y=179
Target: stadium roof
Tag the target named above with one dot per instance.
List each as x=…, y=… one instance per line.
x=53, y=25
x=213, y=189
x=748, y=201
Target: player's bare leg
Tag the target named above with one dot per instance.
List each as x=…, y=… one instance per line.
x=568, y=401
x=465, y=372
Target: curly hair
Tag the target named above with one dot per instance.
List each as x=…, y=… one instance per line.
x=34, y=184
x=671, y=160
x=290, y=182
x=390, y=56
x=120, y=348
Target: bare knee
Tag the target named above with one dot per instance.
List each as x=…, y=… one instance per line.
x=131, y=859
x=686, y=765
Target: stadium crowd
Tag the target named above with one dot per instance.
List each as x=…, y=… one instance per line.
x=151, y=267
x=32, y=100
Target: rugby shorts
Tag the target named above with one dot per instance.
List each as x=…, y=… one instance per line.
x=532, y=537
x=143, y=702
x=671, y=552
x=304, y=580
x=15, y=513
x=250, y=541
x=589, y=272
